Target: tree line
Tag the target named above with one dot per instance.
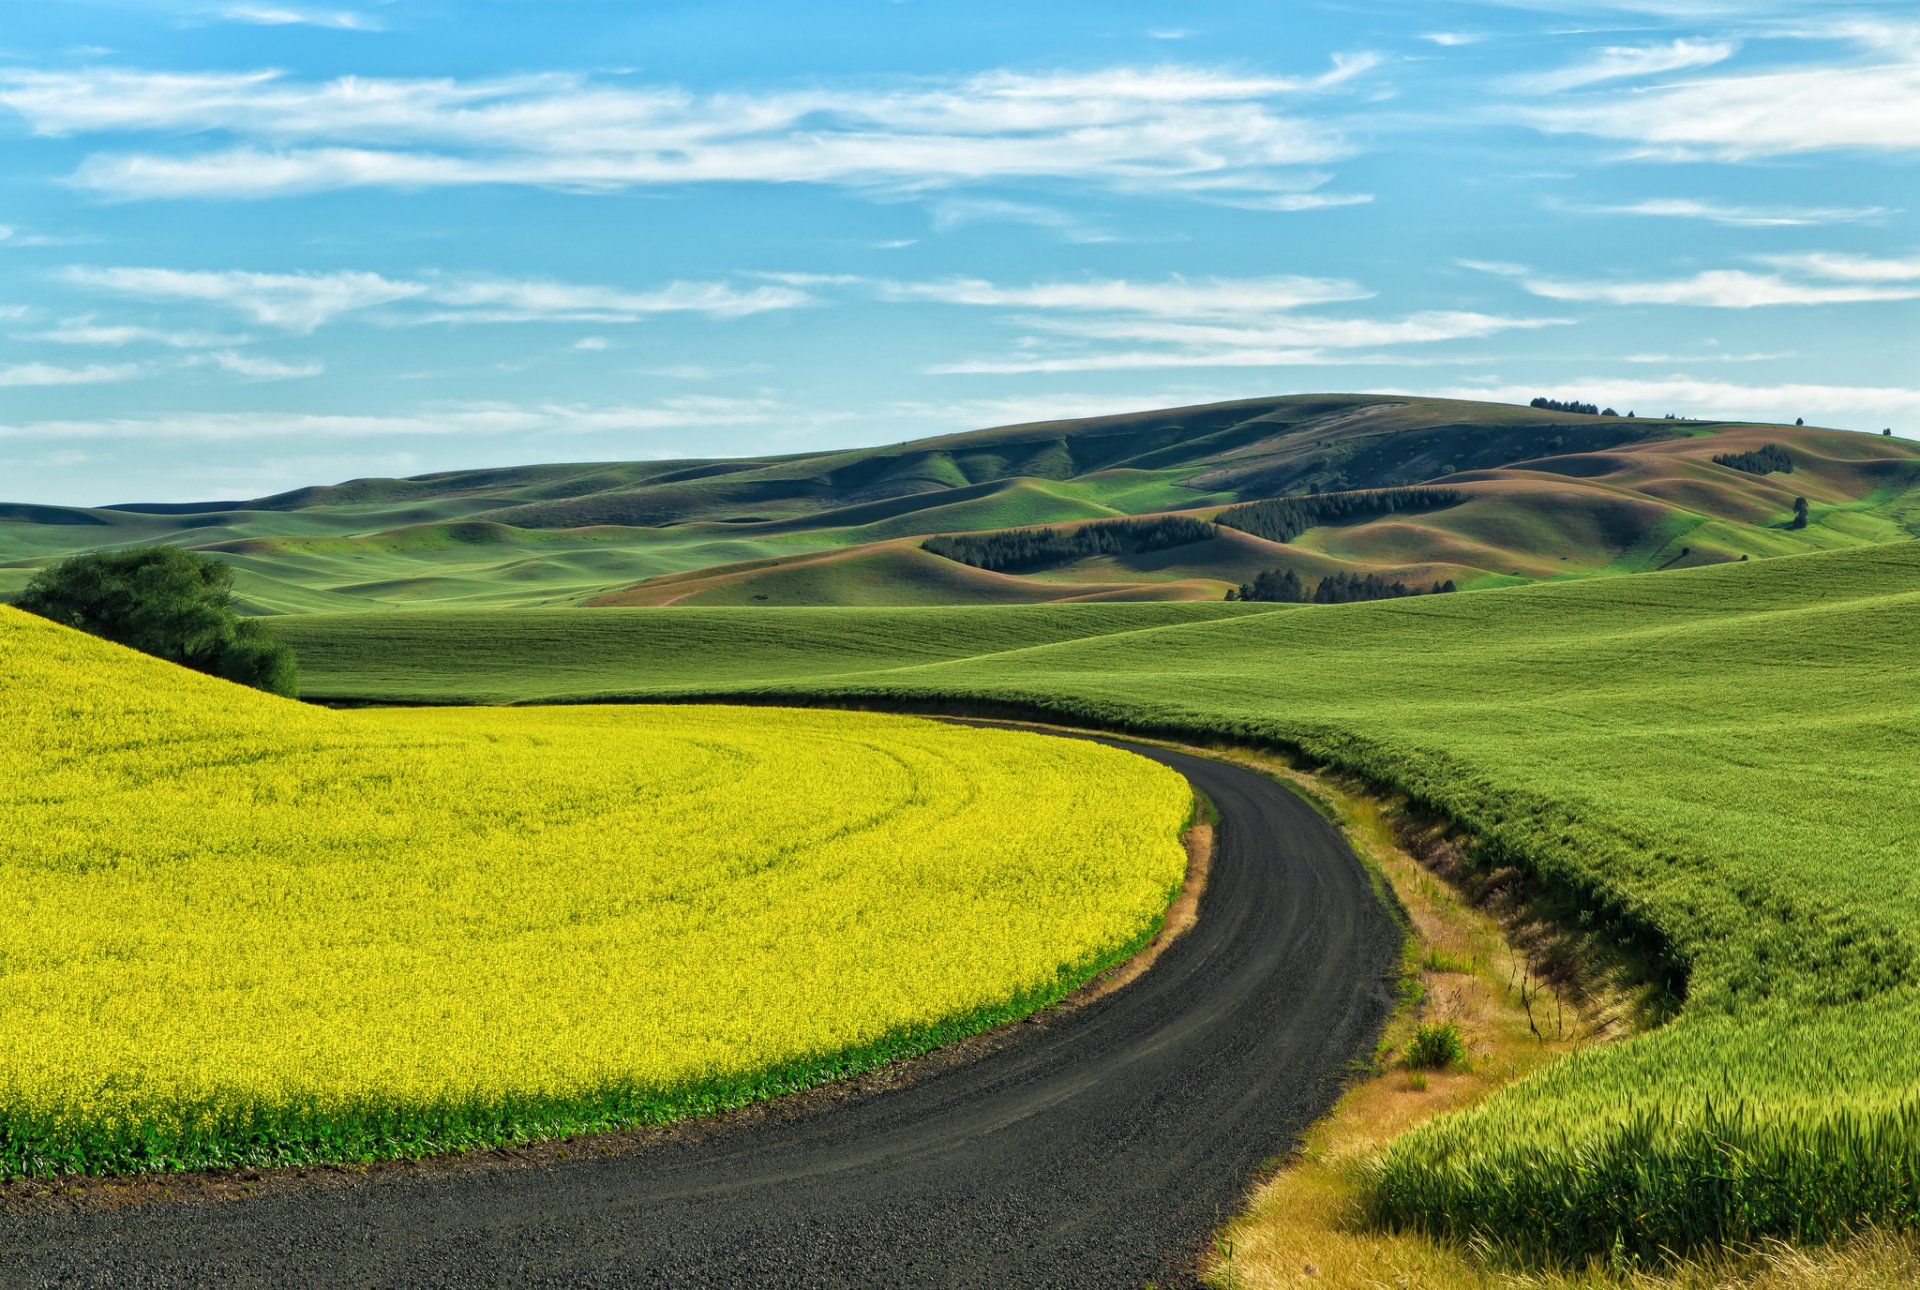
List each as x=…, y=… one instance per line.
x=1284, y=586
x=1761, y=461
x=1573, y=405
x=1012, y=550
x=1285, y=518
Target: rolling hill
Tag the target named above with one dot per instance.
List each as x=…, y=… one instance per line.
x=1541, y=494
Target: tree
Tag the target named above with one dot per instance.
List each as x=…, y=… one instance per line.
x=1888, y=431
x=1799, y=421
x=1799, y=513
x=163, y=601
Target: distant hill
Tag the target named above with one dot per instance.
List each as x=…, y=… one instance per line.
x=1542, y=494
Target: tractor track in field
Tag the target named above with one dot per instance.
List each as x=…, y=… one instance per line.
x=1097, y=1146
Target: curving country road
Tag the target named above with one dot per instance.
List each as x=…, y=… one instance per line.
x=1098, y=1149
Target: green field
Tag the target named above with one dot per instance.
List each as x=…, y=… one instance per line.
x=1719, y=759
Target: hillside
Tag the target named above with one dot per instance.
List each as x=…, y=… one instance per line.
x=1544, y=495
x=1716, y=762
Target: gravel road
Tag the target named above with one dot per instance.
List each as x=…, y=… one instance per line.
x=1099, y=1148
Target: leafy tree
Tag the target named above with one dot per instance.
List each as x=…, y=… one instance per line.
x=1799, y=513
x=1799, y=421
x=163, y=601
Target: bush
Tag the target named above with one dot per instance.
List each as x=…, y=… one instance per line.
x=172, y=604
x=1436, y=1046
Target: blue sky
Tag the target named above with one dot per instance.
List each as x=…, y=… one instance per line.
x=254, y=244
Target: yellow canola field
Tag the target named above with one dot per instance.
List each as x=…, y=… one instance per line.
x=233, y=927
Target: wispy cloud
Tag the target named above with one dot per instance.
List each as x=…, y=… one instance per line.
x=1734, y=215
x=1117, y=324
x=950, y=213
x=1870, y=101
x=1711, y=288
x=254, y=367
x=293, y=301
x=24, y=374
x=301, y=302
x=1628, y=62
x=1175, y=129
x=532, y=421
x=1845, y=267
x=86, y=331
x=1175, y=297
x=266, y=15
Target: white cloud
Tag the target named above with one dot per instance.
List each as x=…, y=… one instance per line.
x=592, y=344
x=1870, y=102
x=1175, y=129
x=1290, y=202
x=1280, y=341
x=1117, y=324
x=293, y=301
x=20, y=374
x=256, y=368
x=1737, y=216
x=950, y=213
x=1718, y=289
x=1683, y=360
x=1840, y=267
x=1711, y=288
x=279, y=16
x=85, y=331
x=459, y=419
x=1452, y=39
x=510, y=300
x=1170, y=297
x=301, y=302
x=1628, y=62
x=1297, y=330
x=1848, y=406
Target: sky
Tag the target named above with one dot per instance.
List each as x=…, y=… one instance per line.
x=249, y=245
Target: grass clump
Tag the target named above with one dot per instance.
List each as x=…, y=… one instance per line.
x=1436, y=1046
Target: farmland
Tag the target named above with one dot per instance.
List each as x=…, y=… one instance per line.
x=1531, y=495
x=241, y=929
x=1717, y=760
